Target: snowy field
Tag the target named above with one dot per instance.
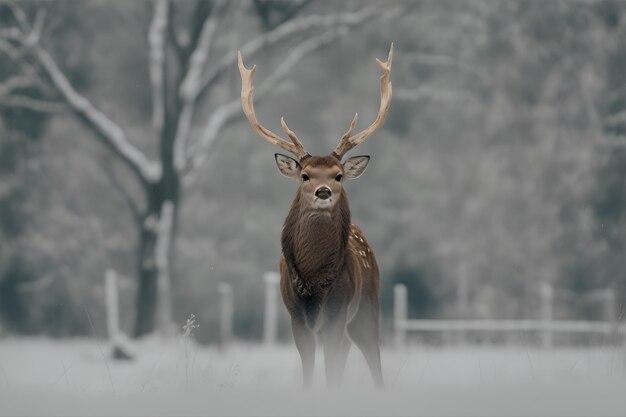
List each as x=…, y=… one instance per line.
x=48, y=377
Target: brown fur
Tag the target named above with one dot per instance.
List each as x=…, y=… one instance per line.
x=329, y=280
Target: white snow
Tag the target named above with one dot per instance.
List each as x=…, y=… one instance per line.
x=77, y=377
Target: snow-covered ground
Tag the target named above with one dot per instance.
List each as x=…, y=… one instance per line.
x=77, y=377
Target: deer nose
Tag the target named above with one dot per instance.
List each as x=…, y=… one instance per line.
x=323, y=193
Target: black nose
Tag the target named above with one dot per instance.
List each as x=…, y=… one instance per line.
x=323, y=193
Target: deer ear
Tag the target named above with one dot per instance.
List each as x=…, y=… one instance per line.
x=355, y=166
x=287, y=165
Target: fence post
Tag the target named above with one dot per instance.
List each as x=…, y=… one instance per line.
x=610, y=313
x=462, y=295
x=112, y=304
x=270, y=318
x=546, y=292
x=226, y=312
x=399, y=314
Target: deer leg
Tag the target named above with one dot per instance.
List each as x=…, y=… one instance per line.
x=363, y=330
x=335, y=357
x=305, y=342
x=342, y=357
x=336, y=349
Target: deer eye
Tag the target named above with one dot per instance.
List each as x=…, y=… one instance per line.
x=305, y=177
x=338, y=177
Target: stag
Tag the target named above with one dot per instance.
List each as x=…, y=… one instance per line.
x=330, y=282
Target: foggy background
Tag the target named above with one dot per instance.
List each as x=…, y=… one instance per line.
x=501, y=166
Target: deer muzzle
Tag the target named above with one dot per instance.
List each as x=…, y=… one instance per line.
x=323, y=193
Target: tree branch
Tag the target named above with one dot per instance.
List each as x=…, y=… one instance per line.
x=427, y=93
x=200, y=13
x=20, y=17
x=11, y=33
x=436, y=60
x=156, y=40
x=30, y=103
x=339, y=24
x=289, y=9
x=189, y=85
x=286, y=31
x=9, y=50
x=106, y=130
x=16, y=54
x=117, y=184
x=172, y=35
x=227, y=112
x=16, y=82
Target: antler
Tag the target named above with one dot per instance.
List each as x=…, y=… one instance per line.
x=348, y=141
x=247, y=102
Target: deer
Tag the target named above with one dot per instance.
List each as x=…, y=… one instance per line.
x=329, y=278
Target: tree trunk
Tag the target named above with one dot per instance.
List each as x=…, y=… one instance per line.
x=147, y=289
x=156, y=233
x=165, y=321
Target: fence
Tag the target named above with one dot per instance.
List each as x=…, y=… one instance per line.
x=546, y=326
x=270, y=310
x=226, y=309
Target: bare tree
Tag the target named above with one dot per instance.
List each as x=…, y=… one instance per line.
x=195, y=71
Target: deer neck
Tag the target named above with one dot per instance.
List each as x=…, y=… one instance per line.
x=314, y=242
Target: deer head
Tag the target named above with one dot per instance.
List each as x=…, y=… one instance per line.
x=321, y=177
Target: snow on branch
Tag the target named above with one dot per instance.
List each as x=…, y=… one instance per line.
x=7, y=49
x=284, y=32
x=337, y=24
x=156, y=41
x=189, y=86
x=10, y=84
x=105, y=129
x=227, y=112
x=30, y=103
x=427, y=93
